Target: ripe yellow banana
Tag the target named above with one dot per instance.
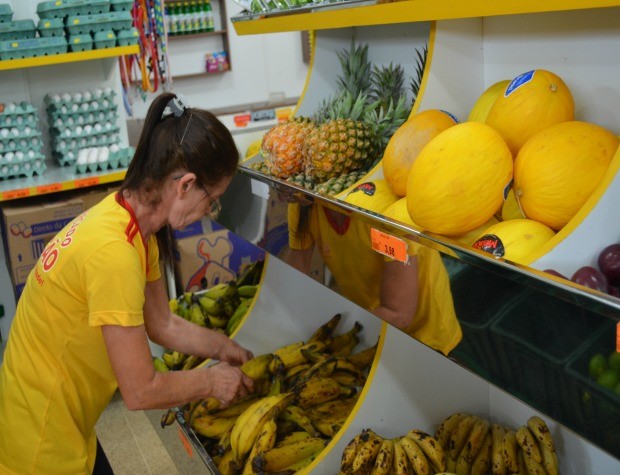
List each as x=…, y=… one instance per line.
x=286, y=348
x=292, y=437
x=458, y=436
x=522, y=466
x=224, y=290
x=249, y=423
x=279, y=458
x=510, y=452
x=401, y=465
x=462, y=465
x=196, y=316
x=318, y=390
x=191, y=362
x=212, y=426
x=476, y=437
x=528, y=444
x=350, y=451
x=294, y=357
x=533, y=467
x=160, y=365
x=205, y=406
x=384, y=460
x=416, y=456
x=498, y=467
x=217, y=322
x=210, y=306
x=301, y=464
x=365, y=457
x=325, y=331
x=482, y=461
x=223, y=444
x=168, y=418
x=344, y=339
x=337, y=406
x=266, y=440
x=227, y=464
x=541, y=431
x=364, y=358
x=257, y=367
x=298, y=416
x=235, y=410
x=430, y=447
x=549, y=460
x=347, y=349
x=450, y=464
x=442, y=434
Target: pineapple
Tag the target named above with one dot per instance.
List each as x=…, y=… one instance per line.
x=282, y=144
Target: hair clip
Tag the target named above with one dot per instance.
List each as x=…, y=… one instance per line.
x=174, y=107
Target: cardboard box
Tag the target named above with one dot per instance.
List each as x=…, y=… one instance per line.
x=92, y=197
x=208, y=254
x=28, y=229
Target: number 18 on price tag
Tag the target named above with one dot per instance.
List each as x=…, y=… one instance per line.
x=389, y=245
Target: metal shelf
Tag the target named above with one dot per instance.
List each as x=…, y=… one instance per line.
x=350, y=13
x=9, y=64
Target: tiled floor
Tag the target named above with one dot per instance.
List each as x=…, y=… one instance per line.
x=136, y=444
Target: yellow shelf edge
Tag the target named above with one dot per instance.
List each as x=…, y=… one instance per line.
x=408, y=11
x=68, y=57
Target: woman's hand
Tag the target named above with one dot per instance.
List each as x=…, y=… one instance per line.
x=233, y=353
x=228, y=383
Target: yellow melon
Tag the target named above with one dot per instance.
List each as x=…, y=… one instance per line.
x=406, y=143
x=532, y=102
x=559, y=168
x=373, y=195
x=510, y=208
x=474, y=234
x=514, y=240
x=458, y=180
x=483, y=104
x=253, y=148
x=398, y=212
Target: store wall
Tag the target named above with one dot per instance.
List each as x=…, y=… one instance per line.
x=264, y=68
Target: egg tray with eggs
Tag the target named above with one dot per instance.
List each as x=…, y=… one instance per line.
x=17, y=30
x=84, y=24
x=103, y=158
x=33, y=47
x=65, y=144
x=19, y=116
x=64, y=8
x=15, y=140
x=60, y=123
x=55, y=101
x=21, y=164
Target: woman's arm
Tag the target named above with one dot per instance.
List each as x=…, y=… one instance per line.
x=171, y=331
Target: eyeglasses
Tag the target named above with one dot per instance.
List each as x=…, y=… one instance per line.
x=216, y=207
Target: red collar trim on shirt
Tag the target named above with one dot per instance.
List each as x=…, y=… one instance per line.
x=339, y=225
x=132, y=227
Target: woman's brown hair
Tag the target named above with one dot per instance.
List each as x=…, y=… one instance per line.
x=187, y=139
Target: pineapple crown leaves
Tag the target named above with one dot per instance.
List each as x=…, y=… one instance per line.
x=386, y=120
x=416, y=80
x=344, y=105
x=356, y=70
x=388, y=83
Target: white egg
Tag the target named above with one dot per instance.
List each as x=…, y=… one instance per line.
x=77, y=97
x=58, y=122
x=5, y=169
x=37, y=163
x=82, y=156
x=30, y=118
x=94, y=105
x=19, y=155
x=19, y=119
x=78, y=130
x=9, y=156
x=108, y=126
x=11, y=107
x=93, y=154
x=15, y=131
x=114, y=148
x=55, y=98
x=70, y=155
x=75, y=107
x=83, y=142
x=107, y=90
x=87, y=95
x=62, y=144
x=12, y=144
x=31, y=154
x=100, y=116
x=23, y=142
x=26, y=166
x=73, y=143
x=93, y=140
x=35, y=141
x=70, y=121
x=80, y=119
x=84, y=106
x=27, y=130
x=8, y=120
x=64, y=109
x=66, y=97
x=88, y=129
x=97, y=127
x=15, y=168
x=67, y=133
x=105, y=103
x=4, y=132
x=104, y=154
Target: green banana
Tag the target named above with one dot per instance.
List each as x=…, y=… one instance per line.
x=196, y=316
x=247, y=291
x=224, y=290
x=160, y=365
x=217, y=322
x=210, y=306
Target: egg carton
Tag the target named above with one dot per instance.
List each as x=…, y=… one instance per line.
x=55, y=101
x=32, y=47
x=59, y=125
x=105, y=39
x=27, y=167
x=64, y=8
x=127, y=37
x=80, y=42
x=10, y=158
x=81, y=113
x=121, y=5
x=118, y=156
x=82, y=24
x=51, y=27
x=23, y=144
x=19, y=115
x=84, y=132
x=63, y=146
x=13, y=133
x=17, y=30
x=6, y=12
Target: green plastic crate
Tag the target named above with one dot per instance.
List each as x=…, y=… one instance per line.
x=127, y=37
x=81, y=42
x=121, y=5
x=51, y=27
x=17, y=30
x=17, y=49
x=535, y=339
x=598, y=406
x=105, y=39
x=81, y=24
x=6, y=12
x=64, y=8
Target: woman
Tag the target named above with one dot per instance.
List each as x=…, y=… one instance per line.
x=96, y=296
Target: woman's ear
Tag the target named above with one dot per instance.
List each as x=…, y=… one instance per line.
x=187, y=181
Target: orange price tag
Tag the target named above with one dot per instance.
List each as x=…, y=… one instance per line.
x=85, y=182
x=15, y=194
x=186, y=444
x=618, y=337
x=51, y=188
x=389, y=245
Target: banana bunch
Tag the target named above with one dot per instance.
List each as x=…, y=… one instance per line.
x=474, y=446
x=304, y=392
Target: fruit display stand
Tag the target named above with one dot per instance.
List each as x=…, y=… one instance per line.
x=409, y=385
